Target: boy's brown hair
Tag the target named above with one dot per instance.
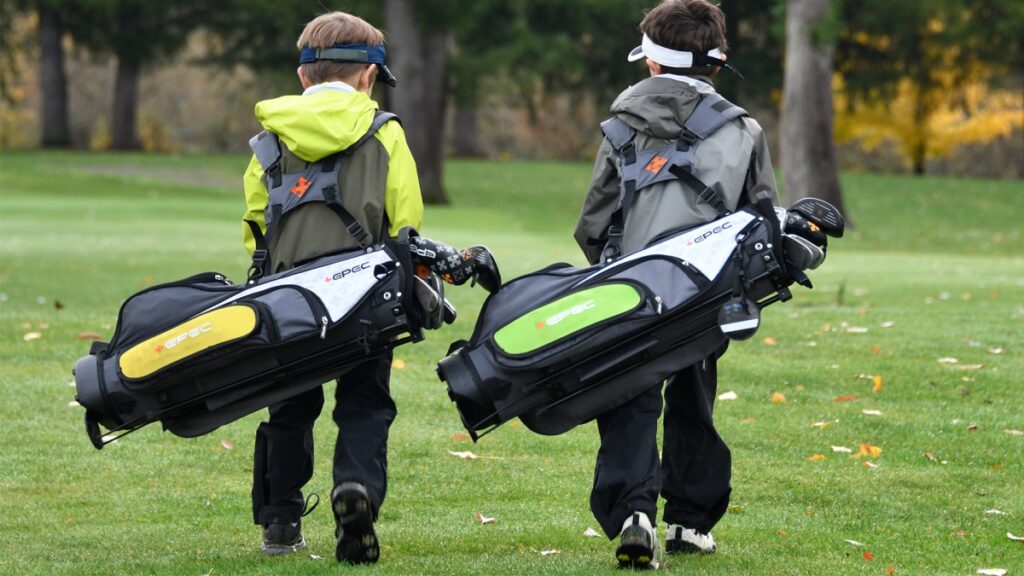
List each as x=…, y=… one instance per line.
x=332, y=29
x=687, y=25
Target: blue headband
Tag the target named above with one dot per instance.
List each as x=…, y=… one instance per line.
x=356, y=53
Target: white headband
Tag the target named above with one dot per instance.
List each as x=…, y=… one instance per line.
x=666, y=56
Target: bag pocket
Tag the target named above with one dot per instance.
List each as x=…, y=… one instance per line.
x=200, y=336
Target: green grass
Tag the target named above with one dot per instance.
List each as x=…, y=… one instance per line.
x=937, y=261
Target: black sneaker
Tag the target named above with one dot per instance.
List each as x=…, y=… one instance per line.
x=353, y=516
x=682, y=540
x=638, y=543
x=281, y=538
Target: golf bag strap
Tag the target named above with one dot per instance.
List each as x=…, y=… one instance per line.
x=260, y=256
x=267, y=149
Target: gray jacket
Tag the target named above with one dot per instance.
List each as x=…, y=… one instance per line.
x=734, y=161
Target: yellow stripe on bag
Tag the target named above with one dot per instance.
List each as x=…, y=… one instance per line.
x=197, y=335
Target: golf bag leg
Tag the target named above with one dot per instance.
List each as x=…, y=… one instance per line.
x=696, y=466
x=626, y=474
x=283, y=459
x=364, y=412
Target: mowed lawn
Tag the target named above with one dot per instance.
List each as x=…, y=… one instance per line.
x=911, y=343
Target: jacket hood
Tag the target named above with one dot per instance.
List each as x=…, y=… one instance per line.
x=657, y=106
x=318, y=124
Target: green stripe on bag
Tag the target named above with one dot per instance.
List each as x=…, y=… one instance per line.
x=565, y=317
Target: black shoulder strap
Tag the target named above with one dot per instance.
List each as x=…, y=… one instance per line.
x=260, y=256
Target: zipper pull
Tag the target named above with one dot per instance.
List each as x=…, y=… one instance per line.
x=323, y=327
x=657, y=300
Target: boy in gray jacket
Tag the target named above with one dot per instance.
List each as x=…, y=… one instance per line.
x=718, y=162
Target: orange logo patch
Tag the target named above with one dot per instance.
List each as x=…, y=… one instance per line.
x=656, y=164
x=300, y=186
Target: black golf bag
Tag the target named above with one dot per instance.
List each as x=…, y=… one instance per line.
x=202, y=352
x=559, y=346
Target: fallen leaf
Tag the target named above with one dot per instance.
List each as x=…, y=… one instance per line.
x=929, y=456
x=965, y=296
x=591, y=533
x=728, y=396
x=817, y=457
x=1015, y=538
x=996, y=350
x=969, y=366
x=467, y=455
x=876, y=385
x=842, y=449
x=972, y=428
x=868, y=464
x=57, y=304
x=947, y=360
x=846, y=398
x=1012, y=432
x=820, y=425
x=872, y=412
x=961, y=533
x=550, y=552
x=227, y=444
x=888, y=324
x=315, y=556
x=769, y=341
x=29, y=336
x=485, y=519
x=854, y=542
x=398, y=364
x=890, y=570
x=801, y=388
x=869, y=556
x=460, y=436
x=995, y=512
x=992, y=571
x=748, y=420
x=876, y=350
x=73, y=404
x=856, y=329
x=867, y=450
x=782, y=533
x=89, y=336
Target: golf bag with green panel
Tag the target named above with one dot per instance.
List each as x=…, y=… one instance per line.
x=557, y=347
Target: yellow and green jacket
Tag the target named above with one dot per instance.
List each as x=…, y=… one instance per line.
x=377, y=182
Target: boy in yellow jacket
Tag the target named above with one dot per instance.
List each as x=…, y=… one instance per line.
x=334, y=130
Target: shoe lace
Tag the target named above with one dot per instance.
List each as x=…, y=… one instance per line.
x=306, y=508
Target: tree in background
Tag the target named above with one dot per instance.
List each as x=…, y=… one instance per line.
x=929, y=59
x=53, y=81
x=808, y=153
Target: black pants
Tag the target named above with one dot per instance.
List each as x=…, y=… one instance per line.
x=696, y=465
x=283, y=460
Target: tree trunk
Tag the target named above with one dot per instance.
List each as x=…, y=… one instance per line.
x=53, y=82
x=808, y=151
x=419, y=59
x=465, y=141
x=126, y=104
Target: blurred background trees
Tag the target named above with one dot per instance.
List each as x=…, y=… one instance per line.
x=926, y=86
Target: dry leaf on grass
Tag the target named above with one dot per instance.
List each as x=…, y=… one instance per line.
x=846, y=398
x=89, y=336
x=842, y=449
x=467, y=455
x=854, y=542
x=876, y=385
x=872, y=412
x=1012, y=432
x=590, y=533
x=398, y=364
x=947, y=360
x=869, y=464
x=728, y=396
x=856, y=329
x=867, y=450
x=315, y=556
x=227, y=444
x=992, y=571
x=817, y=457
x=485, y=519
x=549, y=552
x=996, y=350
x=460, y=436
x=769, y=341
x=869, y=556
x=890, y=570
x=778, y=398
x=929, y=456
x=820, y=425
x=995, y=512
x=1015, y=538
x=29, y=336
x=888, y=324
x=73, y=404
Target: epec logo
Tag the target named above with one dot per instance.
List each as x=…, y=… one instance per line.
x=556, y=318
x=709, y=233
x=347, y=271
x=193, y=333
